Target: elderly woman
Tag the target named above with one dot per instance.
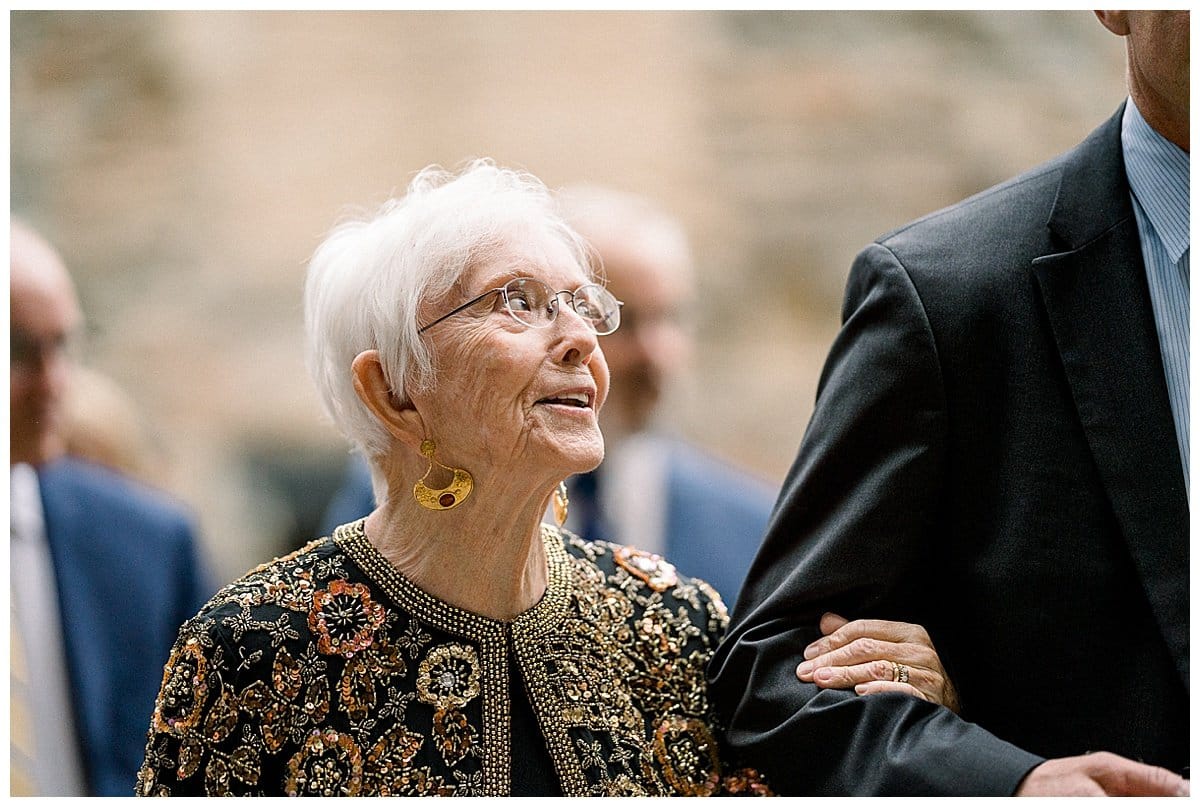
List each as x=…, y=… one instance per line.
x=451, y=643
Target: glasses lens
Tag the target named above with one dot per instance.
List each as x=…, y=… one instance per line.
x=597, y=305
x=530, y=301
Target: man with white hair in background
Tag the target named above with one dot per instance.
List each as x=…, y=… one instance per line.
x=103, y=570
x=654, y=489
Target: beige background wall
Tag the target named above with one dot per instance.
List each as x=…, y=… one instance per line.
x=187, y=164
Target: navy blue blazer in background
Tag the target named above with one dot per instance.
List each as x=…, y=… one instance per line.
x=992, y=455
x=353, y=500
x=715, y=515
x=128, y=571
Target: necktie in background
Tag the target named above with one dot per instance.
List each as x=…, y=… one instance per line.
x=21, y=727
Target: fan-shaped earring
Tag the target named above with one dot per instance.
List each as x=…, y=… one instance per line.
x=441, y=498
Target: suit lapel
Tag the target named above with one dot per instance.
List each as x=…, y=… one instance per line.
x=1098, y=305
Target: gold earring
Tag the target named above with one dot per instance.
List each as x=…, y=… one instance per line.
x=561, y=503
x=441, y=498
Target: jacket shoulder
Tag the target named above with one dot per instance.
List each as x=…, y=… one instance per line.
x=648, y=580
x=102, y=493
x=288, y=579
x=1010, y=223
x=1000, y=217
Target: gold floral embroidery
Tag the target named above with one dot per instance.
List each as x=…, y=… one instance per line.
x=449, y=676
x=344, y=618
x=456, y=736
x=184, y=690
x=303, y=677
x=687, y=751
x=389, y=770
x=329, y=764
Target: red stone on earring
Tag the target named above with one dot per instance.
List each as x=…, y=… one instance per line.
x=446, y=500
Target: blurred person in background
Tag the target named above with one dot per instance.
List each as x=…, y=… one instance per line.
x=1000, y=444
x=103, y=570
x=450, y=642
x=102, y=425
x=654, y=490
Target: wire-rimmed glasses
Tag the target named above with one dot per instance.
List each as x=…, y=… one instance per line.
x=534, y=304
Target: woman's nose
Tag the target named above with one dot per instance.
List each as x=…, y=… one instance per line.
x=579, y=339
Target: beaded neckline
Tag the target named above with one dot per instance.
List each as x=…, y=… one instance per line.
x=542, y=617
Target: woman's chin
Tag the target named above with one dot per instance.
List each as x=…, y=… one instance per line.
x=579, y=457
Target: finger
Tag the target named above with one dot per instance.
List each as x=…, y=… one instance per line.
x=844, y=677
x=874, y=687
x=879, y=629
x=831, y=622
x=860, y=651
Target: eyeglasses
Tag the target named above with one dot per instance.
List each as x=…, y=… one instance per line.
x=28, y=352
x=532, y=303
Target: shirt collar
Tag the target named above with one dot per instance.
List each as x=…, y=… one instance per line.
x=25, y=503
x=1159, y=175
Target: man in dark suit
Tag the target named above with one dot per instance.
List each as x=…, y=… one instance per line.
x=998, y=453
x=654, y=489
x=103, y=570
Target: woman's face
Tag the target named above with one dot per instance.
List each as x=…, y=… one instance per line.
x=504, y=394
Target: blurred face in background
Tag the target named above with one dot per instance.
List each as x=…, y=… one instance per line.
x=650, y=350
x=45, y=317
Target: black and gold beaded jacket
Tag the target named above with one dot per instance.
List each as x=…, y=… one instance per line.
x=327, y=672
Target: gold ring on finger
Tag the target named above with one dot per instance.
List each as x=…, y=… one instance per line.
x=900, y=673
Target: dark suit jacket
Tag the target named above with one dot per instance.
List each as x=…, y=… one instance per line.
x=715, y=514
x=128, y=575
x=992, y=455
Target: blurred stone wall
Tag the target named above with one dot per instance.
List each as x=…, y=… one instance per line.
x=187, y=163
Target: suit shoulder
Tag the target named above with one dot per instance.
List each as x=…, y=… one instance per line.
x=109, y=493
x=975, y=249
x=1021, y=204
x=288, y=578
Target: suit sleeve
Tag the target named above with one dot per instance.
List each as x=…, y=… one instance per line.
x=853, y=528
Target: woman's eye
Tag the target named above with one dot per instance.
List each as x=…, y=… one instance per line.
x=585, y=309
x=519, y=301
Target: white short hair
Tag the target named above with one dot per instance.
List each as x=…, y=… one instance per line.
x=368, y=279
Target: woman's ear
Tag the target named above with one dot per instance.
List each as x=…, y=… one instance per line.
x=401, y=419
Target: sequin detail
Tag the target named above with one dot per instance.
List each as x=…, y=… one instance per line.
x=344, y=618
x=651, y=569
x=326, y=672
x=449, y=676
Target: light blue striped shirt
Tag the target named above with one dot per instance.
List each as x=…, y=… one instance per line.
x=1159, y=176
